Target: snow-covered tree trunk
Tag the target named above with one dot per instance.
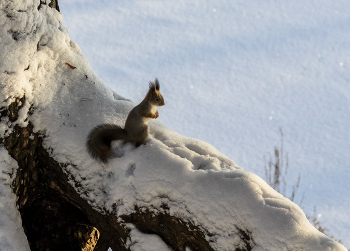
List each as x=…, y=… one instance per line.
x=180, y=189
x=55, y=217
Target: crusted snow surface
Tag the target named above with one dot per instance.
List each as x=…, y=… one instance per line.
x=233, y=73
x=145, y=242
x=198, y=183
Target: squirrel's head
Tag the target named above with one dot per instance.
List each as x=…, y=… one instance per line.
x=153, y=95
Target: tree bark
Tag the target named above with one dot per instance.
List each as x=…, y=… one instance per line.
x=52, y=4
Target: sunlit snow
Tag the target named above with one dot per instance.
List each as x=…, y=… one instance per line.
x=244, y=60
x=198, y=182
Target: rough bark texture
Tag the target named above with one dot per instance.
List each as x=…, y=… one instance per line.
x=175, y=232
x=52, y=4
x=55, y=217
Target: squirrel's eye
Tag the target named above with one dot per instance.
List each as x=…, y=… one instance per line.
x=157, y=99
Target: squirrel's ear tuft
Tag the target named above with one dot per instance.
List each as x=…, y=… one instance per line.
x=154, y=85
x=157, y=84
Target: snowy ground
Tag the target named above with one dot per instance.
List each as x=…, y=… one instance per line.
x=233, y=73
x=216, y=67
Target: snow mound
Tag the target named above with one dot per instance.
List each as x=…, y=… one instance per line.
x=199, y=184
x=12, y=237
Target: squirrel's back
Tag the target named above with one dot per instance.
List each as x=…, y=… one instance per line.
x=100, y=138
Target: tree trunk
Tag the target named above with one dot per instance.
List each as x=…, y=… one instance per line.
x=55, y=217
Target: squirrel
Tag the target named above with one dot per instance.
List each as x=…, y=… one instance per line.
x=135, y=130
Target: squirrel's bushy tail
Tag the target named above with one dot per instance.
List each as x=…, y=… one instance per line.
x=100, y=138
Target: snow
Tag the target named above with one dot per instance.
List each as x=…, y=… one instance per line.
x=12, y=237
x=197, y=181
x=146, y=242
x=233, y=73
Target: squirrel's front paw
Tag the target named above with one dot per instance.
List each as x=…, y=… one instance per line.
x=153, y=115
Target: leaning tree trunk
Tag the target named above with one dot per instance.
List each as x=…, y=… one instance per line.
x=55, y=217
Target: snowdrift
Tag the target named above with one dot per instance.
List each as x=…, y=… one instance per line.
x=46, y=75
